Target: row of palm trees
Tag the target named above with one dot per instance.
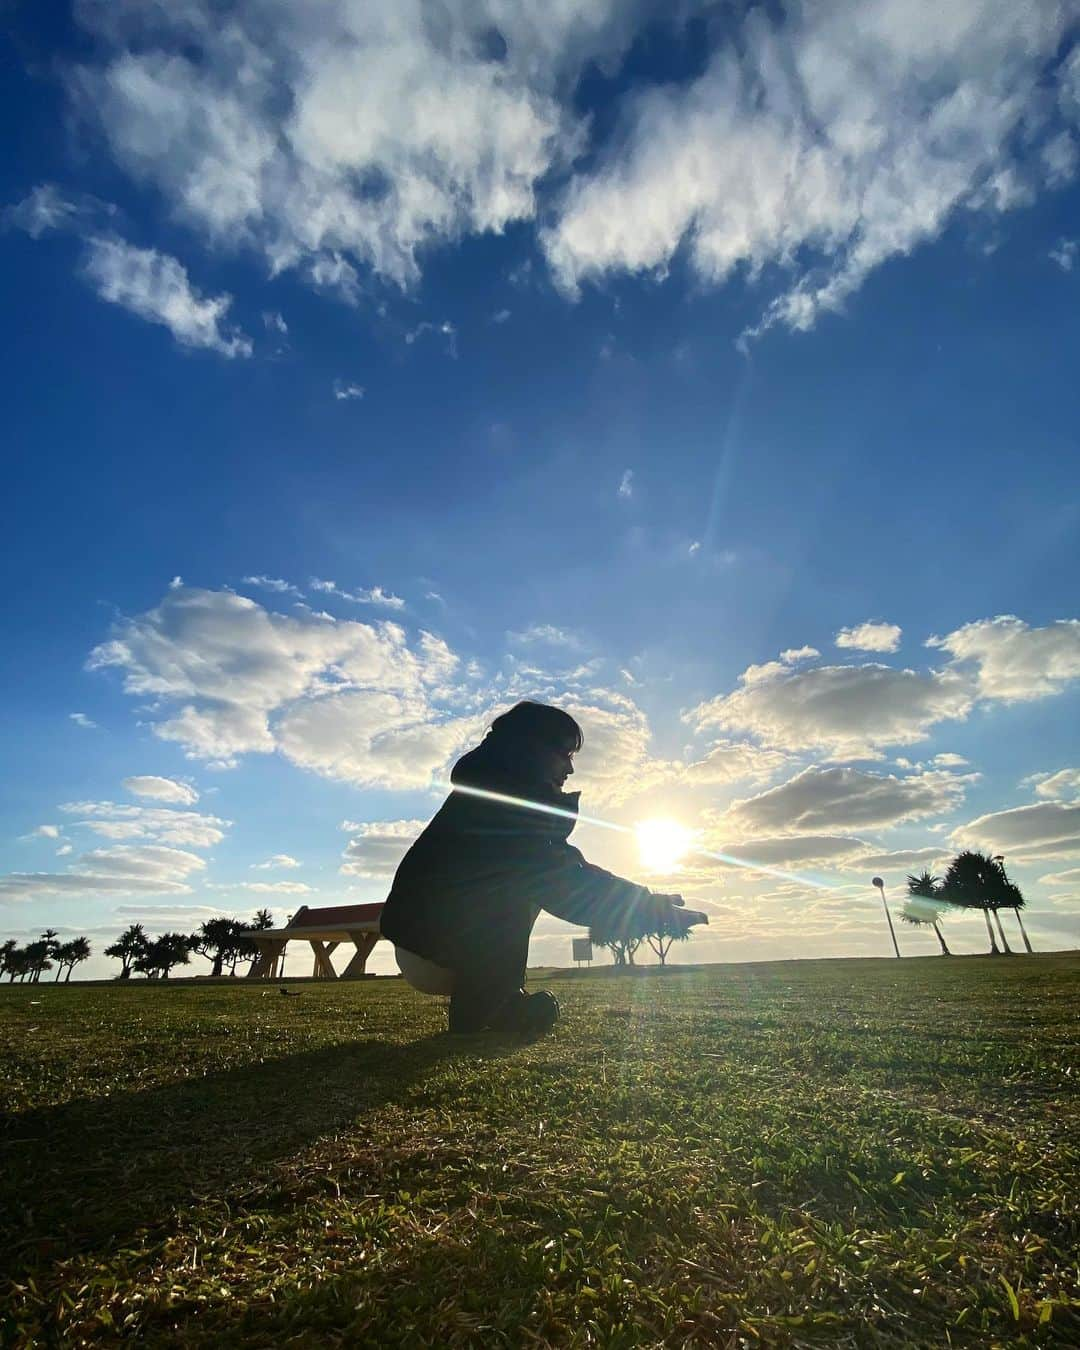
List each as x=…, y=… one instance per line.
x=972, y=881
x=223, y=942
x=28, y=964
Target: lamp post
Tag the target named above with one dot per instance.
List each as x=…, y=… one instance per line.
x=877, y=881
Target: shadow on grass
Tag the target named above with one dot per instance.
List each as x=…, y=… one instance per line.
x=93, y=1173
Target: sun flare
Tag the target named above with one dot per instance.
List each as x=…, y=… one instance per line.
x=663, y=844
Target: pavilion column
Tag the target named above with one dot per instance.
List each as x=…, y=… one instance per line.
x=322, y=951
x=364, y=942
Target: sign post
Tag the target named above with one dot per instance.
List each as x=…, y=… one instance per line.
x=582, y=949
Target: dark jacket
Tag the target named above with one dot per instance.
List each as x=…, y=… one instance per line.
x=481, y=866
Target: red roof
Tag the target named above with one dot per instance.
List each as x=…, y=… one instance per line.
x=335, y=916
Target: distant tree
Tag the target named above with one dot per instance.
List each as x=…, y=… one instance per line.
x=41, y=955
x=128, y=947
x=662, y=935
x=262, y=921
x=217, y=940
x=925, y=905
x=18, y=964
x=6, y=950
x=163, y=953
x=71, y=954
x=975, y=881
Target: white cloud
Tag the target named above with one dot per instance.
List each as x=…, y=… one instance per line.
x=266, y=887
x=735, y=761
x=155, y=286
x=445, y=329
x=1065, y=253
x=283, y=860
x=46, y=208
x=375, y=596
x=823, y=799
x=1013, y=662
x=285, y=129
x=906, y=860
x=47, y=832
x=615, y=763
x=847, y=710
x=231, y=664
x=826, y=142
x=870, y=637
x=1059, y=157
x=81, y=720
x=344, y=391
x=500, y=316
x=948, y=760
x=793, y=655
x=275, y=322
x=121, y=870
x=373, y=739
x=1069, y=878
x=378, y=846
x=545, y=633
x=274, y=584
x=112, y=820
x=1045, y=830
x=783, y=850
x=140, y=861
x=162, y=789
x=626, y=484
x=1056, y=786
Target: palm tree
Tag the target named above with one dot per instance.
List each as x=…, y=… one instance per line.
x=130, y=945
x=17, y=962
x=71, y=954
x=1013, y=899
x=47, y=947
x=262, y=921
x=217, y=941
x=6, y=951
x=925, y=905
x=166, y=951
x=973, y=881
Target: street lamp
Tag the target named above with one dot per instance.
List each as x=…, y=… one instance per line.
x=877, y=881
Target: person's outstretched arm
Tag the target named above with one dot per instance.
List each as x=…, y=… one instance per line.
x=582, y=893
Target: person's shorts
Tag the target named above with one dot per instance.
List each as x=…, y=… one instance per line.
x=424, y=976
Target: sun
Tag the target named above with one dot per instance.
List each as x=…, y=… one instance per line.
x=662, y=844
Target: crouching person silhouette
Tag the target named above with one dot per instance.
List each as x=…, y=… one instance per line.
x=467, y=893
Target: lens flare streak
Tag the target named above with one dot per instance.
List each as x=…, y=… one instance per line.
x=728, y=859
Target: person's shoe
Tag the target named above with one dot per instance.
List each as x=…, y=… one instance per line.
x=537, y=1014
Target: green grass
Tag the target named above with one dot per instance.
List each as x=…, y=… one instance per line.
x=857, y=1153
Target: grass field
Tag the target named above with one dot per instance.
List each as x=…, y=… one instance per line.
x=850, y=1153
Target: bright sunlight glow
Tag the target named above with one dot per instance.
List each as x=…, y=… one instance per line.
x=662, y=844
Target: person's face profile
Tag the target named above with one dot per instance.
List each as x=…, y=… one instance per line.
x=555, y=764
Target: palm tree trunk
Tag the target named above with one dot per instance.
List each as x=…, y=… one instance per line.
x=944, y=950
x=994, y=950
x=1023, y=933
x=1004, y=940
x=59, y=972
x=67, y=977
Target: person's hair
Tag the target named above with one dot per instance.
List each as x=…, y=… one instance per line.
x=537, y=723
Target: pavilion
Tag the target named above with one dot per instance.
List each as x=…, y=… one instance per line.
x=325, y=930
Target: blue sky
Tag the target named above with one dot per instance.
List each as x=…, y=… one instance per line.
x=370, y=370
